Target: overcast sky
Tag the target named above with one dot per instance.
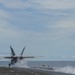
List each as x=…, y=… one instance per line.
x=46, y=27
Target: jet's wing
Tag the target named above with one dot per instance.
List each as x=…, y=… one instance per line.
x=7, y=57
x=28, y=57
x=18, y=57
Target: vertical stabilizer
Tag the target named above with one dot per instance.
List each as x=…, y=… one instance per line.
x=12, y=51
x=23, y=51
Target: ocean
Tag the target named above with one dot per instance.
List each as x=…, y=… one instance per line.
x=58, y=66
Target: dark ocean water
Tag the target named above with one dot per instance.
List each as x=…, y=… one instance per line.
x=58, y=66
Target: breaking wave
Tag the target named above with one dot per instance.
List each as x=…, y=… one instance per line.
x=67, y=69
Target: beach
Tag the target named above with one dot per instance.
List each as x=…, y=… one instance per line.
x=27, y=71
x=14, y=71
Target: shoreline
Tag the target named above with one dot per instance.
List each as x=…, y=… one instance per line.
x=27, y=71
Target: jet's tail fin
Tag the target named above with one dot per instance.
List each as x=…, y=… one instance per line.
x=12, y=51
x=23, y=51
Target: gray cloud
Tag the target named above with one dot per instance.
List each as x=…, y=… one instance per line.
x=46, y=29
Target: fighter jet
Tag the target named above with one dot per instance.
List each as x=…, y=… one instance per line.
x=14, y=59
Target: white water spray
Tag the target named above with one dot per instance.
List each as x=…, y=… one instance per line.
x=22, y=64
x=67, y=69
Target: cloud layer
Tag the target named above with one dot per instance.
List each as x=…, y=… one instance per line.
x=46, y=26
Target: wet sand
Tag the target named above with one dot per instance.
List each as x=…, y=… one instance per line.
x=27, y=71
x=15, y=71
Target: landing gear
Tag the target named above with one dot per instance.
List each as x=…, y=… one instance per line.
x=9, y=65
